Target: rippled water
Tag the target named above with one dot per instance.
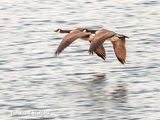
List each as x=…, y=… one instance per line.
x=76, y=86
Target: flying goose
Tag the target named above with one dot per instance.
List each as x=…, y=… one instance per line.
x=117, y=40
x=81, y=33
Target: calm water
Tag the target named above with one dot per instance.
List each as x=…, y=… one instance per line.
x=76, y=86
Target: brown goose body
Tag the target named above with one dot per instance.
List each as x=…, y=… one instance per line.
x=74, y=35
x=117, y=40
x=69, y=38
x=96, y=38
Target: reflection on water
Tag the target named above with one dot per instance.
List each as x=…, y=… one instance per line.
x=105, y=97
x=99, y=78
x=76, y=85
x=120, y=93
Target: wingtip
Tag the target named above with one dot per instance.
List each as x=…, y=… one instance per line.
x=104, y=58
x=90, y=52
x=122, y=61
x=56, y=53
x=127, y=37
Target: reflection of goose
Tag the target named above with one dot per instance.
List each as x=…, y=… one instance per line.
x=74, y=35
x=120, y=93
x=101, y=97
x=117, y=40
x=98, y=78
x=96, y=38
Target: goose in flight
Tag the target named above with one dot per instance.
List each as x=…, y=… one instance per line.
x=118, y=41
x=75, y=34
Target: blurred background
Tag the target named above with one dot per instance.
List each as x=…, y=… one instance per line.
x=35, y=85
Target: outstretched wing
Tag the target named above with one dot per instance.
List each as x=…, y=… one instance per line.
x=99, y=39
x=120, y=50
x=69, y=38
x=100, y=51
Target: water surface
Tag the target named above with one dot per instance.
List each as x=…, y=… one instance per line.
x=77, y=86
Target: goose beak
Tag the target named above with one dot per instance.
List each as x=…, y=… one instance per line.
x=126, y=36
x=55, y=30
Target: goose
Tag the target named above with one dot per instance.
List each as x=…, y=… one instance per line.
x=75, y=34
x=118, y=41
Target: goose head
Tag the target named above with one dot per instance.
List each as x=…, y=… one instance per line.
x=121, y=36
x=58, y=30
x=62, y=31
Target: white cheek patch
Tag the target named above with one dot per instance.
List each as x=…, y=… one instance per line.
x=84, y=30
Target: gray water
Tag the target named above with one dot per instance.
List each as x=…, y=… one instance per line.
x=36, y=85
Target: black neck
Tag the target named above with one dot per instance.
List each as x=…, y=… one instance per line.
x=68, y=31
x=92, y=31
x=65, y=31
